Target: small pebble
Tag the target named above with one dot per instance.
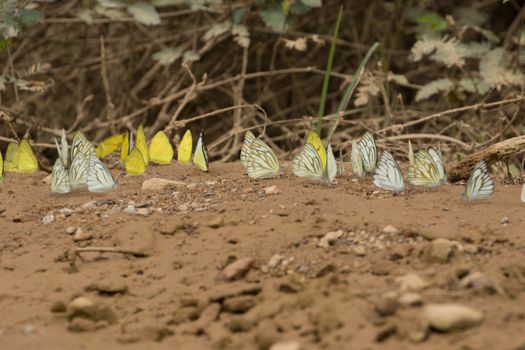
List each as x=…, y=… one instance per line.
x=130, y=209
x=359, y=250
x=49, y=218
x=66, y=212
x=391, y=230
x=330, y=238
x=447, y=317
x=71, y=230
x=504, y=221
x=271, y=190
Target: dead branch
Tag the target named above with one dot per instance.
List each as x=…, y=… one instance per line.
x=497, y=152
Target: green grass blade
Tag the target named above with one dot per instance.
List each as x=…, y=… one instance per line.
x=324, y=91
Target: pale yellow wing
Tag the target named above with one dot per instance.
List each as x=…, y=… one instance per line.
x=11, y=157
x=142, y=144
x=27, y=162
x=109, y=145
x=200, y=158
x=316, y=141
x=124, y=146
x=160, y=149
x=134, y=163
x=185, y=148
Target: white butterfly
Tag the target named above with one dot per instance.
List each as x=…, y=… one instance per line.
x=388, y=176
x=259, y=160
x=308, y=164
x=78, y=170
x=99, y=179
x=438, y=160
x=523, y=193
x=60, y=178
x=81, y=145
x=63, y=149
x=357, y=160
x=480, y=184
x=425, y=171
x=368, y=150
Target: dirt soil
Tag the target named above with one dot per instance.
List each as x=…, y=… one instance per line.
x=363, y=287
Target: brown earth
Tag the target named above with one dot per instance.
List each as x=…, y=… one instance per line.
x=344, y=296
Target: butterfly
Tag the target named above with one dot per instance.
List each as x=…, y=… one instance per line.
x=364, y=155
x=387, y=175
x=142, y=144
x=185, y=148
x=357, y=160
x=60, y=178
x=63, y=149
x=427, y=169
x=11, y=157
x=134, y=163
x=523, y=193
x=259, y=160
x=438, y=161
x=109, y=145
x=99, y=179
x=78, y=170
x=480, y=184
x=200, y=157
x=26, y=159
x=126, y=146
x=81, y=145
x=309, y=162
x=160, y=149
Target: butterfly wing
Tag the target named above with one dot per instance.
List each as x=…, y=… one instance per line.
x=331, y=165
x=60, y=178
x=27, y=162
x=78, y=170
x=81, y=145
x=246, y=146
x=357, y=160
x=314, y=139
x=308, y=164
x=523, y=193
x=438, y=161
x=160, y=149
x=11, y=157
x=368, y=150
x=142, y=144
x=125, y=146
x=185, y=148
x=424, y=171
x=134, y=163
x=200, y=158
x=480, y=184
x=260, y=160
x=99, y=178
x=388, y=175
x=109, y=145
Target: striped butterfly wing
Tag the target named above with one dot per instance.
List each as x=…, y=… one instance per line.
x=200, y=157
x=60, y=178
x=423, y=172
x=368, y=150
x=438, y=161
x=357, y=160
x=480, y=184
x=261, y=161
x=63, y=149
x=81, y=145
x=308, y=164
x=388, y=175
x=331, y=165
x=99, y=178
x=78, y=170
x=523, y=193
x=246, y=146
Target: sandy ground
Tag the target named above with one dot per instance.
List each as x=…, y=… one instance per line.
x=368, y=287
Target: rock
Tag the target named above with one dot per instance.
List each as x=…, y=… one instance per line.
x=239, y=304
x=66, y=212
x=216, y=222
x=130, y=209
x=240, y=324
x=80, y=235
x=291, y=284
x=359, y=250
x=49, y=218
x=504, y=221
x=228, y=291
x=386, y=306
x=86, y=308
x=58, y=306
x=143, y=212
x=330, y=238
x=274, y=261
x=158, y=184
x=385, y=332
x=79, y=324
x=410, y=299
x=71, y=230
x=89, y=205
x=390, y=230
x=185, y=314
x=109, y=287
x=237, y=269
x=481, y=282
x=286, y=345
x=447, y=317
x=272, y=190
x=411, y=282
x=440, y=250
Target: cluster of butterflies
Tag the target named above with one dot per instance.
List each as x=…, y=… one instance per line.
x=317, y=162
x=82, y=166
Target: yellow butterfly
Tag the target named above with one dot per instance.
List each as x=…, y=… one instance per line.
x=309, y=162
x=11, y=157
x=160, y=149
x=126, y=145
x=25, y=158
x=424, y=171
x=109, y=145
x=134, y=163
x=185, y=148
x=142, y=144
x=200, y=157
x=259, y=160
